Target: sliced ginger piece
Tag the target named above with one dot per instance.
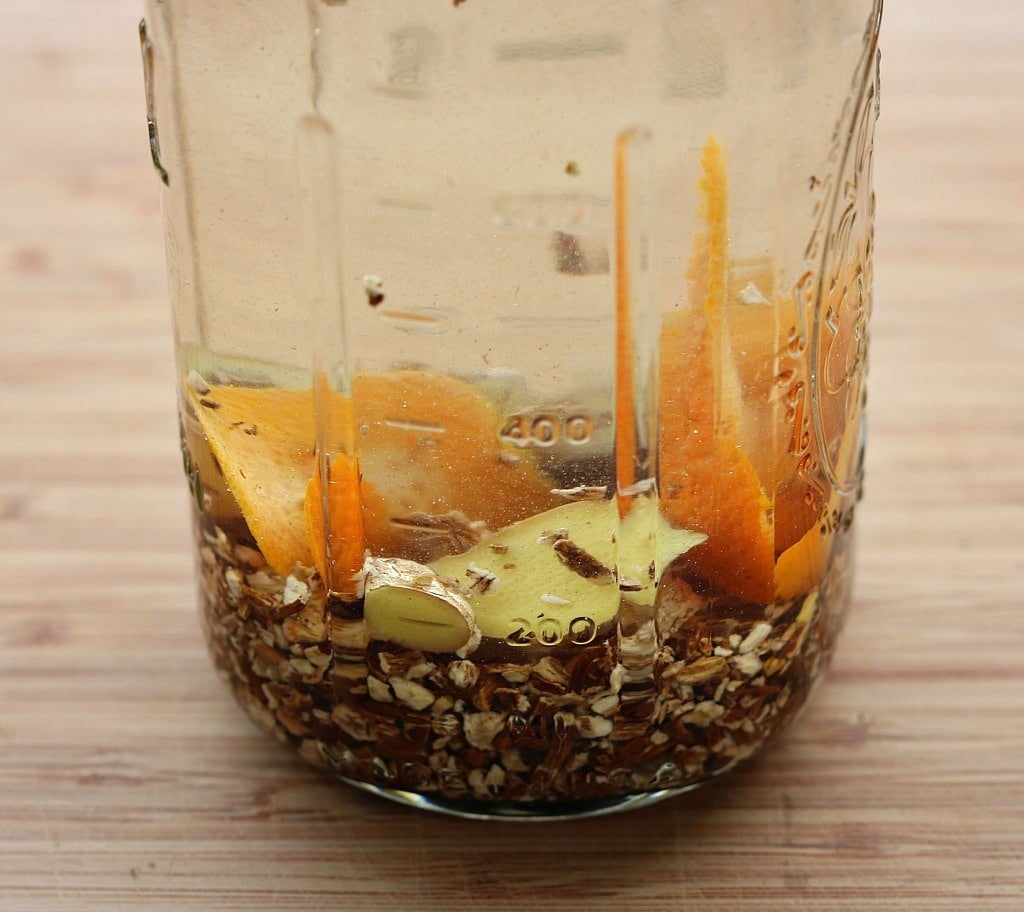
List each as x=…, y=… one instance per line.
x=563, y=567
x=406, y=603
x=708, y=482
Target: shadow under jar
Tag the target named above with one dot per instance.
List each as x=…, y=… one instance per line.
x=521, y=351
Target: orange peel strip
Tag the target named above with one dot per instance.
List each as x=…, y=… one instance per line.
x=262, y=439
x=625, y=393
x=337, y=538
x=427, y=444
x=708, y=483
x=802, y=566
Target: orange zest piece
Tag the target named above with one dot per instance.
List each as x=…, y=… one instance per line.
x=427, y=446
x=337, y=535
x=772, y=370
x=708, y=483
x=262, y=440
x=625, y=408
x=802, y=566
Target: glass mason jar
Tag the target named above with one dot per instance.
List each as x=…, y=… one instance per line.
x=521, y=352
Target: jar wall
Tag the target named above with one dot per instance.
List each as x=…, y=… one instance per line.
x=521, y=356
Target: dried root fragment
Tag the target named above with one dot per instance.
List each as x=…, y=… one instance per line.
x=549, y=725
x=406, y=603
x=582, y=492
x=582, y=563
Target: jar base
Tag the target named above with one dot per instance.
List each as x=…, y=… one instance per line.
x=522, y=811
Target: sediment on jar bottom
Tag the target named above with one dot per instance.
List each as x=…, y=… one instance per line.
x=552, y=726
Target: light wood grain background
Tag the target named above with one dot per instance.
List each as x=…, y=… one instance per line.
x=129, y=780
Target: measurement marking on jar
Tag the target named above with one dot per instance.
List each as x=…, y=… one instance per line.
x=546, y=429
x=405, y=205
x=420, y=427
x=427, y=321
x=550, y=631
x=540, y=212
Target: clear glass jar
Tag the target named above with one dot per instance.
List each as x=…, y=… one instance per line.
x=521, y=350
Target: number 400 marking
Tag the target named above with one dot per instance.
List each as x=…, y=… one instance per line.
x=546, y=429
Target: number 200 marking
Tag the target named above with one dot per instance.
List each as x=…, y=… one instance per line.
x=546, y=429
x=549, y=631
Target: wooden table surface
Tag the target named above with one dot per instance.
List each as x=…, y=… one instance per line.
x=129, y=779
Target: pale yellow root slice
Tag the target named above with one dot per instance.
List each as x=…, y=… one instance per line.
x=565, y=566
x=406, y=603
x=262, y=439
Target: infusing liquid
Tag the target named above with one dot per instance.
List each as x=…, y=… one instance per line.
x=567, y=679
